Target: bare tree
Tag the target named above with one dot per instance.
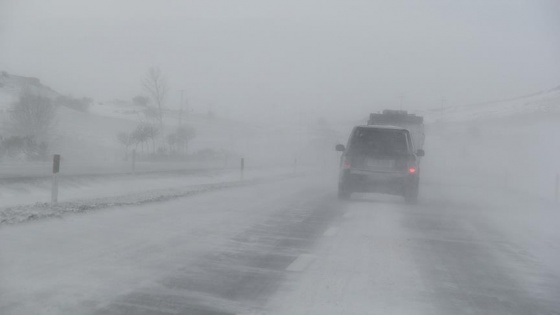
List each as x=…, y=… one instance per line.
x=33, y=115
x=156, y=86
x=140, y=135
x=172, y=141
x=180, y=138
x=143, y=133
x=151, y=132
x=126, y=140
x=32, y=120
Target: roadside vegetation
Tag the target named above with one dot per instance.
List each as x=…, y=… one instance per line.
x=152, y=137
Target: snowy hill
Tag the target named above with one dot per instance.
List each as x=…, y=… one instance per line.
x=510, y=143
x=92, y=135
x=11, y=85
x=77, y=134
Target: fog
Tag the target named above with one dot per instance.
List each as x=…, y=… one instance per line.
x=198, y=172
x=245, y=58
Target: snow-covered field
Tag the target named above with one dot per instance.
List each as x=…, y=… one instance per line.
x=30, y=200
x=509, y=144
x=518, y=153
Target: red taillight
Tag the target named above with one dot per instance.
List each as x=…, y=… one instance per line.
x=346, y=165
x=411, y=170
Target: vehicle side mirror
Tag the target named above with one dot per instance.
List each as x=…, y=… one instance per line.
x=340, y=148
x=420, y=152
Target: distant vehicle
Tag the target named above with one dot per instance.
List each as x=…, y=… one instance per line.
x=379, y=159
x=401, y=118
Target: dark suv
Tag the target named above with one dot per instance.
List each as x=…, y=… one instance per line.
x=379, y=159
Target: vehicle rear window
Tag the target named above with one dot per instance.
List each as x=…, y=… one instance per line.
x=382, y=142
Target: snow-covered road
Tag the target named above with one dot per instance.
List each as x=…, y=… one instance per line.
x=290, y=247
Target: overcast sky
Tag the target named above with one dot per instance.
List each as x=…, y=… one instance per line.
x=340, y=58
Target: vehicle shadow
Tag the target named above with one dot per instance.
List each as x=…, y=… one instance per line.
x=375, y=199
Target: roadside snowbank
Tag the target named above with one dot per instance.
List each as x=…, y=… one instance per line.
x=27, y=202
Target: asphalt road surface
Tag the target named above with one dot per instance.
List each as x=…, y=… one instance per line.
x=290, y=247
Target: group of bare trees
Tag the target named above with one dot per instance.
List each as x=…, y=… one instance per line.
x=146, y=134
x=143, y=135
x=30, y=126
x=151, y=131
x=179, y=139
x=32, y=118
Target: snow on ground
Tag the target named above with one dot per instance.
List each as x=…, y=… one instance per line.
x=289, y=247
x=93, y=259
x=118, y=109
x=482, y=241
x=474, y=245
x=509, y=144
x=519, y=154
x=31, y=201
x=463, y=250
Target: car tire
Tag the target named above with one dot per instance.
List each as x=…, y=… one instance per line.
x=344, y=194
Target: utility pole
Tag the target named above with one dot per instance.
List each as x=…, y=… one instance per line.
x=402, y=101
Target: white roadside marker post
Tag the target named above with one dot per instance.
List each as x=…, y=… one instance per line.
x=56, y=170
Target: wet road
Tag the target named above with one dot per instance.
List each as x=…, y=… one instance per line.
x=290, y=247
